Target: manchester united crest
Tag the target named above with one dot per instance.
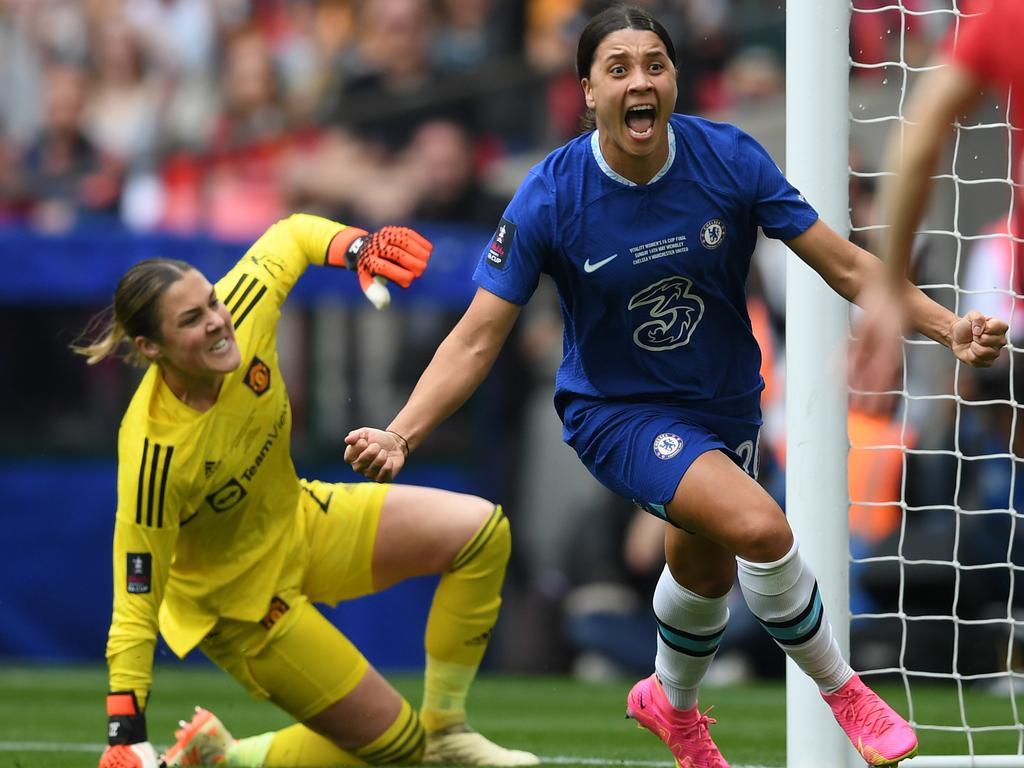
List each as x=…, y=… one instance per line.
x=257, y=378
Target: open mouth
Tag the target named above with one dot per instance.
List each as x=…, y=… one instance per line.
x=220, y=346
x=640, y=121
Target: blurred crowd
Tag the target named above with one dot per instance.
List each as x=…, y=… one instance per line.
x=220, y=116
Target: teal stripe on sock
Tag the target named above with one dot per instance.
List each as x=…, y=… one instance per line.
x=800, y=629
x=688, y=643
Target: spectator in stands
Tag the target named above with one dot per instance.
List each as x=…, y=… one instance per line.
x=180, y=38
x=237, y=188
x=391, y=83
x=470, y=34
x=64, y=180
x=123, y=111
x=440, y=163
x=218, y=543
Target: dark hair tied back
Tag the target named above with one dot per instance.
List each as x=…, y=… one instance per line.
x=612, y=20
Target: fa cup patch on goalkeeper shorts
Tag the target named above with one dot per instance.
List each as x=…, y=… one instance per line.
x=140, y=573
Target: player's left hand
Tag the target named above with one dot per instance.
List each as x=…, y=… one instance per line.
x=376, y=453
x=977, y=339
x=128, y=744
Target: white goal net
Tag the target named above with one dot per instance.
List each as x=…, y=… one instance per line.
x=936, y=491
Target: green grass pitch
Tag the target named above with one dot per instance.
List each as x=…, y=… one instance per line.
x=53, y=716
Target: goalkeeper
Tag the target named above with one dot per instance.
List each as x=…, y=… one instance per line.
x=218, y=544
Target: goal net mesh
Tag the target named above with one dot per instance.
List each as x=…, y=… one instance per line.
x=936, y=494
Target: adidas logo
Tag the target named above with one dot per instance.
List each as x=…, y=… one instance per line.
x=210, y=467
x=481, y=639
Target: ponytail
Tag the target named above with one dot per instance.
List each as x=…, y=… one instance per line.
x=133, y=313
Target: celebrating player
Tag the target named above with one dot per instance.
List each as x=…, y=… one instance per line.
x=218, y=544
x=647, y=225
x=982, y=49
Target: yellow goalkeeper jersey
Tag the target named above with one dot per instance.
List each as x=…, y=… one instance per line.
x=207, y=522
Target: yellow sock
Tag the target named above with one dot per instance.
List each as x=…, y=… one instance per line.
x=297, y=745
x=463, y=612
x=250, y=752
x=401, y=743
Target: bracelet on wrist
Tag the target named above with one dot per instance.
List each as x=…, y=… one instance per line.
x=405, y=443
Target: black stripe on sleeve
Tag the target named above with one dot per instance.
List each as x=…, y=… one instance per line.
x=253, y=303
x=142, y=481
x=152, y=484
x=163, y=486
x=253, y=282
x=235, y=289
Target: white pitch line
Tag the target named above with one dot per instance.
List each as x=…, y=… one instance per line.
x=567, y=760
x=49, y=746
x=70, y=746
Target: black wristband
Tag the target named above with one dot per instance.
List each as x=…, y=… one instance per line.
x=352, y=252
x=125, y=722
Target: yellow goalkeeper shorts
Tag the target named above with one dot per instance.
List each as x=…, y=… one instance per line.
x=294, y=656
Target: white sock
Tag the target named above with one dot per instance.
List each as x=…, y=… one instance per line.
x=690, y=629
x=784, y=597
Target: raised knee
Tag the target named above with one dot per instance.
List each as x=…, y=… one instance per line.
x=766, y=538
x=490, y=545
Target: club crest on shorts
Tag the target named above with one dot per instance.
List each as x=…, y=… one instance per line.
x=712, y=234
x=666, y=445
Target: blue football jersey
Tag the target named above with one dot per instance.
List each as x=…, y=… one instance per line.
x=651, y=277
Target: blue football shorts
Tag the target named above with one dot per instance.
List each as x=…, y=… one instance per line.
x=641, y=451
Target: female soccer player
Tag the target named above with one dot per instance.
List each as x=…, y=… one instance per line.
x=219, y=544
x=647, y=225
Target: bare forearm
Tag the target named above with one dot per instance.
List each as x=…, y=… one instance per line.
x=944, y=93
x=852, y=271
x=927, y=316
x=454, y=373
x=459, y=366
x=905, y=200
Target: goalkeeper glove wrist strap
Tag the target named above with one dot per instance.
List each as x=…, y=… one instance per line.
x=344, y=248
x=126, y=724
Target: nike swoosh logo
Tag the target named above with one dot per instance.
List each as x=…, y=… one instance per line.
x=588, y=267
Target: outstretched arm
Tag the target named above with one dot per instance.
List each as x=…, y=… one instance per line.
x=461, y=363
x=142, y=559
x=938, y=99
x=854, y=274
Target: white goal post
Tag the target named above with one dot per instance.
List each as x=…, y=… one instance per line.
x=826, y=120
x=817, y=129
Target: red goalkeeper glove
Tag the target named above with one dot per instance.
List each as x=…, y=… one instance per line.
x=398, y=254
x=126, y=735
